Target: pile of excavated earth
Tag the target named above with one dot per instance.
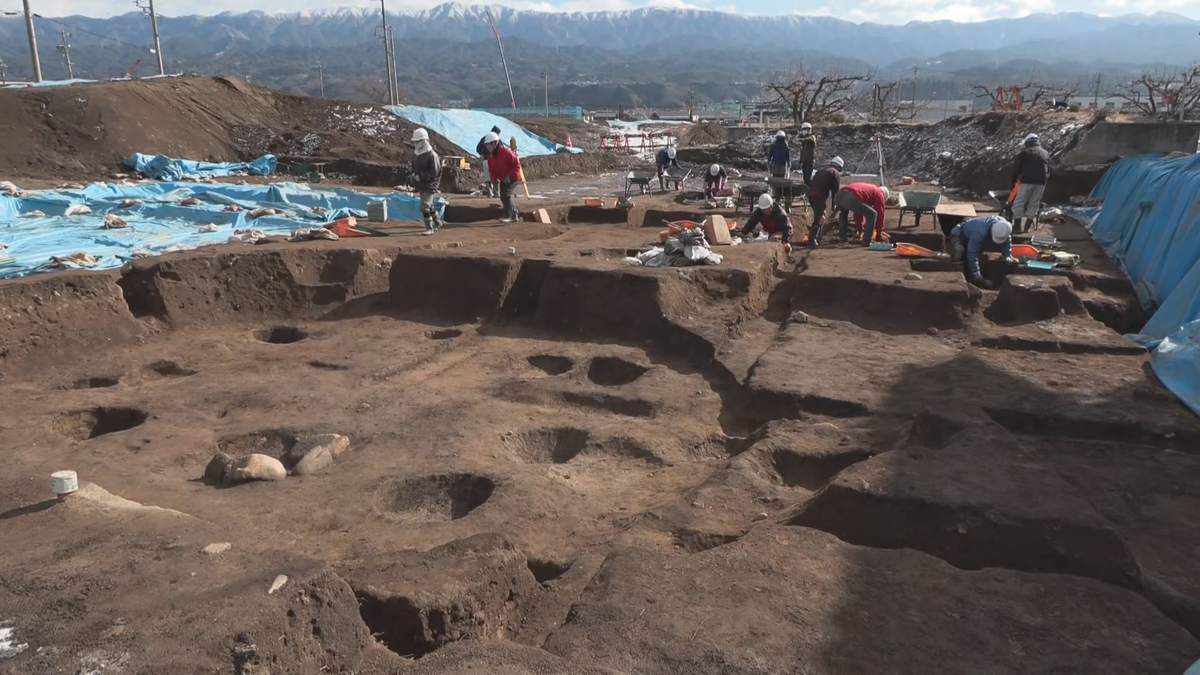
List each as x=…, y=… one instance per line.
x=500, y=449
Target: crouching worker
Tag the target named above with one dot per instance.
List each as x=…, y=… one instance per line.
x=970, y=238
x=504, y=168
x=714, y=181
x=824, y=186
x=866, y=201
x=772, y=218
x=665, y=159
x=427, y=177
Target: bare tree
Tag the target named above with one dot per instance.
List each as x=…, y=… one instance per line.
x=885, y=105
x=371, y=91
x=811, y=94
x=1165, y=93
x=1035, y=93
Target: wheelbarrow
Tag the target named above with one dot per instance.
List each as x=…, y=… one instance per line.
x=788, y=190
x=917, y=203
x=640, y=179
x=674, y=179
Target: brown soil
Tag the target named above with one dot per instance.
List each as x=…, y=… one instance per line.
x=88, y=130
x=562, y=464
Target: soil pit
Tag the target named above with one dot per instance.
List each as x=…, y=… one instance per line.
x=96, y=422
x=551, y=364
x=610, y=371
x=433, y=498
x=99, y=382
x=282, y=335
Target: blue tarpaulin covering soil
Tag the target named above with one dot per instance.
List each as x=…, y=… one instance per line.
x=464, y=128
x=1150, y=226
x=161, y=167
x=160, y=224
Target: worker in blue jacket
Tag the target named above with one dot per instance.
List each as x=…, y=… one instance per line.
x=665, y=159
x=779, y=156
x=971, y=238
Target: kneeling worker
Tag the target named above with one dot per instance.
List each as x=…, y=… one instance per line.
x=714, y=181
x=427, y=177
x=866, y=201
x=773, y=218
x=665, y=159
x=972, y=237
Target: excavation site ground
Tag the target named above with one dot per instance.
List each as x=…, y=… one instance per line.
x=502, y=449
x=559, y=463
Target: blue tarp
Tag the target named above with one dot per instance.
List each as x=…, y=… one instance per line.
x=161, y=167
x=1150, y=227
x=464, y=128
x=160, y=224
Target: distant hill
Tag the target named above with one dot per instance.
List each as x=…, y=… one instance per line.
x=653, y=57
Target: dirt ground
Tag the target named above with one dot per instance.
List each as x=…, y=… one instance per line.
x=833, y=462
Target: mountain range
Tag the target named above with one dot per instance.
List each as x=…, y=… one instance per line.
x=447, y=53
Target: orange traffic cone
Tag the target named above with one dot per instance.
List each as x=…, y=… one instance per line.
x=568, y=140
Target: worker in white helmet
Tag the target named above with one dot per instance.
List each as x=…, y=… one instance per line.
x=504, y=168
x=779, y=156
x=772, y=218
x=808, y=151
x=970, y=238
x=493, y=189
x=821, y=191
x=427, y=178
x=664, y=160
x=714, y=181
x=1029, y=176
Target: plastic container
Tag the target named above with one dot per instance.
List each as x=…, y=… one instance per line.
x=377, y=211
x=64, y=483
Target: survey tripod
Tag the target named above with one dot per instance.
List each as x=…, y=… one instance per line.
x=877, y=148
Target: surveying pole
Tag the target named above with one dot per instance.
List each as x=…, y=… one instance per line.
x=33, y=53
x=148, y=10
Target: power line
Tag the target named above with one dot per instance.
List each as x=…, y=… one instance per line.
x=84, y=30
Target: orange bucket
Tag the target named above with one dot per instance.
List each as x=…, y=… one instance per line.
x=1024, y=251
x=593, y=202
x=907, y=250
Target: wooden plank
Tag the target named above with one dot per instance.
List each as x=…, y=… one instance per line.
x=956, y=209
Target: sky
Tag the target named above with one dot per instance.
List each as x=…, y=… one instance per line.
x=882, y=11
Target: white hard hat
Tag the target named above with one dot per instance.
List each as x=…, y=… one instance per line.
x=765, y=201
x=806, y=127
x=420, y=135
x=491, y=137
x=715, y=169
x=1001, y=231
x=780, y=134
x=1031, y=137
x=886, y=192
x=838, y=162
x=671, y=153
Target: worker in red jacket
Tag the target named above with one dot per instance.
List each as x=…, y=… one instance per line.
x=773, y=219
x=866, y=201
x=504, y=167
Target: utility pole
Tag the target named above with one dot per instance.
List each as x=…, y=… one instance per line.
x=391, y=32
x=916, y=71
x=387, y=53
x=546, y=84
x=65, y=48
x=148, y=10
x=321, y=77
x=1096, y=94
x=33, y=53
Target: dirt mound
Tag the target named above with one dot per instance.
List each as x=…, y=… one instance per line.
x=710, y=133
x=81, y=131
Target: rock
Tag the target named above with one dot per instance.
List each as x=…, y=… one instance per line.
x=114, y=222
x=912, y=276
x=760, y=516
x=314, y=453
x=277, y=584
x=216, y=549
x=255, y=467
x=932, y=331
x=190, y=201
x=698, y=504
x=218, y=468
x=798, y=317
x=128, y=203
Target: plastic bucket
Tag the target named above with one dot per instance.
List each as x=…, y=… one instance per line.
x=63, y=483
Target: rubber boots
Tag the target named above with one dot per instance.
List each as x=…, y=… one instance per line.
x=814, y=234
